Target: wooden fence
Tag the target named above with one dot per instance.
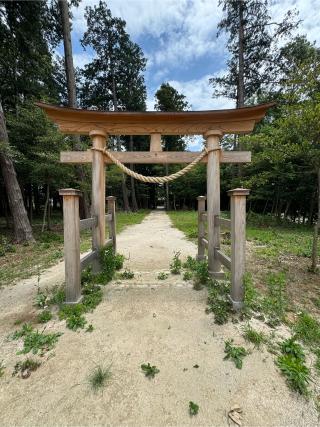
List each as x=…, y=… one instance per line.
x=72, y=226
x=237, y=227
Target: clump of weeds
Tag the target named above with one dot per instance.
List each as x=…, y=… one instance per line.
x=193, y=408
x=149, y=371
x=255, y=337
x=99, y=378
x=25, y=368
x=162, y=276
x=234, y=353
x=176, y=263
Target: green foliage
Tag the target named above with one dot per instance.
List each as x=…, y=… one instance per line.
x=75, y=322
x=275, y=303
x=255, y=337
x=201, y=274
x=44, y=316
x=41, y=299
x=25, y=368
x=5, y=246
x=58, y=295
x=234, y=353
x=187, y=275
x=35, y=341
x=218, y=301
x=90, y=328
x=149, y=371
x=126, y=275
x=190, y=263
x=291, y=348
x=251, y=296
x=176, y=263
x=162, y=276
x=193, y=408
x=118, y=261
x=109, y=263
x=296, y=372
x=307, y=330
x=317, y=363
x=99, y=378
x=92, y=296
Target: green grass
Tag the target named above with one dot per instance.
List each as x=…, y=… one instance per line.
x=35, y=341
x=18, y=262
x=307, y=330
x=193, y=408
x=99, y=378
x=255, y=337
x=44, y=316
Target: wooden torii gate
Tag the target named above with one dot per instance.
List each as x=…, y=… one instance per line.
x=211, y=124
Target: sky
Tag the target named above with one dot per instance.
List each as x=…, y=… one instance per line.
x=179, y=40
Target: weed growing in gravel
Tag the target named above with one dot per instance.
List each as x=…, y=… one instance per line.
x=201, y=275
x=275, y=303
x=74, y=322
x=193, y=408
x=25, y=368
x=187, y=275
x=44, y=316
x=90, y=328
x=176, y=263
x=126, y=275
x=218, y=301
x=99, y=377
x=255, y=337
x=307, y=330
x=149, y=371
x=292, y=364
x=162, y=276
x=190, y=263
x=234, y=353
x=41, y=299
x=58, y=295
x=35, y=341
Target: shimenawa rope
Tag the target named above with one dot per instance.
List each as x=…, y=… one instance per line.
x=155, y=179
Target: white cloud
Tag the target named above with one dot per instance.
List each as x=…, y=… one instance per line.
x=82, y=58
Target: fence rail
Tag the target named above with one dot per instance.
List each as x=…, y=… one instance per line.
x=72, y=227
x=237, y=226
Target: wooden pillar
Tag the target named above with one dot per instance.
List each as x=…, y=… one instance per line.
x=155, y=142
x=112, y=224
x=201, y=227
x=71, y=230
x=213, y=200
x=98, y=138
x=238, y=245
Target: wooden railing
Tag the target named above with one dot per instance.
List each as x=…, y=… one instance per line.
x=72, y=226
x=237, y=227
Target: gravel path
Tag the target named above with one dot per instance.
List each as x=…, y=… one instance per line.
x=139, y=321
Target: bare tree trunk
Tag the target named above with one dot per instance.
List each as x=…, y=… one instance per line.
x=45, y=208
x=133, y=189
x=316, y=232
x=21, y=223
x=72, y=96
x=240, y=95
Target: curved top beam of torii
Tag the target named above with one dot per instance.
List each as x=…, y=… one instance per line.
x=81, y=122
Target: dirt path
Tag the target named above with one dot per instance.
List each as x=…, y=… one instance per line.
x=140, y=321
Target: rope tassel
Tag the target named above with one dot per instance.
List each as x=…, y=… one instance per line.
x=155, y=179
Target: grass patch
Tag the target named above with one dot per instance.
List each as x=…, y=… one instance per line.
x=235, y=354
x=99, y=378
x=149, y=371
x=126, y=275
x=44, y=316
x=255, y=337
x=307, y=330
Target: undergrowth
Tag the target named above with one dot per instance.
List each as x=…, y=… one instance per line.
x=35, y=341
x=234, y=353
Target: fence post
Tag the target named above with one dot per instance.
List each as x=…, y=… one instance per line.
x=201, y=227
x=238, y=244
x=71, y=230
x=112, y=223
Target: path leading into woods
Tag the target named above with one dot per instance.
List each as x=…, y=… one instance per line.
x=139, y=321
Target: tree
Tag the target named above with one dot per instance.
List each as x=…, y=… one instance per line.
x=72, y=93
x=252, y=44
x=169, y=99
x=119, y=63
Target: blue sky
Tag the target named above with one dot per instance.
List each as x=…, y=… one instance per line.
x=179, y=40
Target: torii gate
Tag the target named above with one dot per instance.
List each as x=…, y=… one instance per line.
x=211, y=124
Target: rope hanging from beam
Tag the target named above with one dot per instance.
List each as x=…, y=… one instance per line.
x=155, y=179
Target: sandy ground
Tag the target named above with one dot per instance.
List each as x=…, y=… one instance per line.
x=140, y=321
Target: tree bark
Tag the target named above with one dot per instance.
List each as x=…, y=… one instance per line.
x=72, y=96
x=240, y=94
x=314, y=262
x=21, y=223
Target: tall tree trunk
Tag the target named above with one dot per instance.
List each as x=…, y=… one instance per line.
x=133, y=188
x=240, y=94
x=21, y=223
x=126, y=205
x=72, y=96
x=45, y=208
x=316, y=232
